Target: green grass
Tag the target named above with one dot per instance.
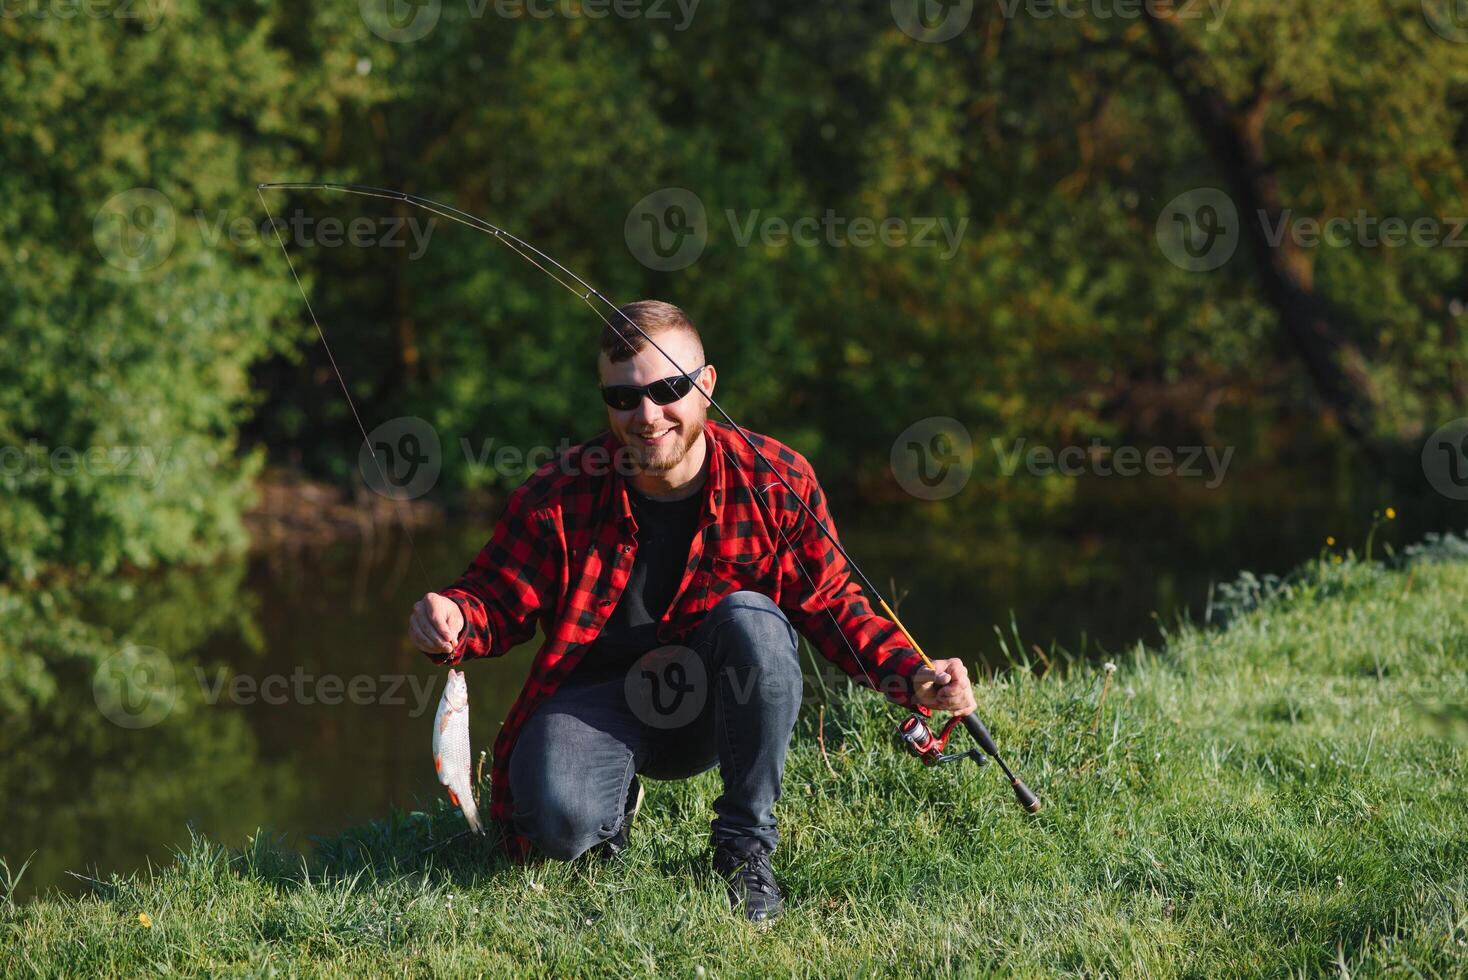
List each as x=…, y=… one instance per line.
x=1285, y=795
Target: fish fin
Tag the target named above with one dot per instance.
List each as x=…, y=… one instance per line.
x=438, y=763
x=453, y=798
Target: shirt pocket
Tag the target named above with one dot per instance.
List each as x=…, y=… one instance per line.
x=730, y=574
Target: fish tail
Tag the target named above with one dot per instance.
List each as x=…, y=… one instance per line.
x=471, y=813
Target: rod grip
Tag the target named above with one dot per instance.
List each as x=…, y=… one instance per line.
x=1027, y=799
x=981, y=734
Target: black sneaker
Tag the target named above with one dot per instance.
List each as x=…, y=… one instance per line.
x=614, y=845
x=745, y=868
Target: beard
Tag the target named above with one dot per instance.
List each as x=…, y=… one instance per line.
x=661, y=459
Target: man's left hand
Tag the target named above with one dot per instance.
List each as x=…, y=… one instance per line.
x=945, y=687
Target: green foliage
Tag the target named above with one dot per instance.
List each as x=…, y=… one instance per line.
x=1057, y=141
x=1283, y=796
x=1053, y=143
x=129, y=329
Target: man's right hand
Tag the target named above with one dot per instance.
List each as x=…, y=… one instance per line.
x=436, y=624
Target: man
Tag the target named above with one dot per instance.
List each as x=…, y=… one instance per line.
x=671, y=572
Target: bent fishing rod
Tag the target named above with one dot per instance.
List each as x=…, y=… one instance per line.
x=913, y=733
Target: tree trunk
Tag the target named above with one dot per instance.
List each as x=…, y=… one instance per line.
x=1311, y=324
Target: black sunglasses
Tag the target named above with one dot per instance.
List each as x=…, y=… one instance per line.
x=664, y=392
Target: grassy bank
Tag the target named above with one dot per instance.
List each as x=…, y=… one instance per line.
x=1284, y=794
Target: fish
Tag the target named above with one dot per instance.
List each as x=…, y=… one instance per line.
x=451, y=754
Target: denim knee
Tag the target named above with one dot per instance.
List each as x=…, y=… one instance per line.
x=761, y=636
x=562, y=821
x=557, y=806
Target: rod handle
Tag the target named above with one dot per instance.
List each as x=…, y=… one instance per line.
x=1027, y=799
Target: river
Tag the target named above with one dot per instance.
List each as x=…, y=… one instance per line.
x=297, y=705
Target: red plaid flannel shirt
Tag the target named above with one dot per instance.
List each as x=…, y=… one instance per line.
x=563, y=549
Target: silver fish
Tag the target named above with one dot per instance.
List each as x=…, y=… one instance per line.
x=451, y=755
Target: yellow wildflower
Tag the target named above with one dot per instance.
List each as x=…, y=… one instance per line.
x=1391, y=513
x=1330, y=541
x=145, y=920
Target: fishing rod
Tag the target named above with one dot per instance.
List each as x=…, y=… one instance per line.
x=913, y=732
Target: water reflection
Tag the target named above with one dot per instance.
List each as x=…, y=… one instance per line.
x=301, y=707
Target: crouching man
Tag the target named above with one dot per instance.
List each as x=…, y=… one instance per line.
x=671, y=572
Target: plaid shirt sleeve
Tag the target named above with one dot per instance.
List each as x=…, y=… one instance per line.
x=511, y=583
x=832, y=611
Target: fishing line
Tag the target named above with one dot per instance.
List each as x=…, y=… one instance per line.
x=366, y=439
x=587, y=292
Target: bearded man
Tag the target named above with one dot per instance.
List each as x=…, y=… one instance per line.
x=672, y=575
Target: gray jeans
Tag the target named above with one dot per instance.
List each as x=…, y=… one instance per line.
x=729, y=698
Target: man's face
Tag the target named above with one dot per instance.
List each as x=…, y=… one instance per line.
x=658, y=437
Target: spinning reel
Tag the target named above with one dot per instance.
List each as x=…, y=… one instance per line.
x=914, y=735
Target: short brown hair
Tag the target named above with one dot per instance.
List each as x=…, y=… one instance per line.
x=620, y=342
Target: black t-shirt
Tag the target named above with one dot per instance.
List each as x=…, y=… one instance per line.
x=664, y=535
